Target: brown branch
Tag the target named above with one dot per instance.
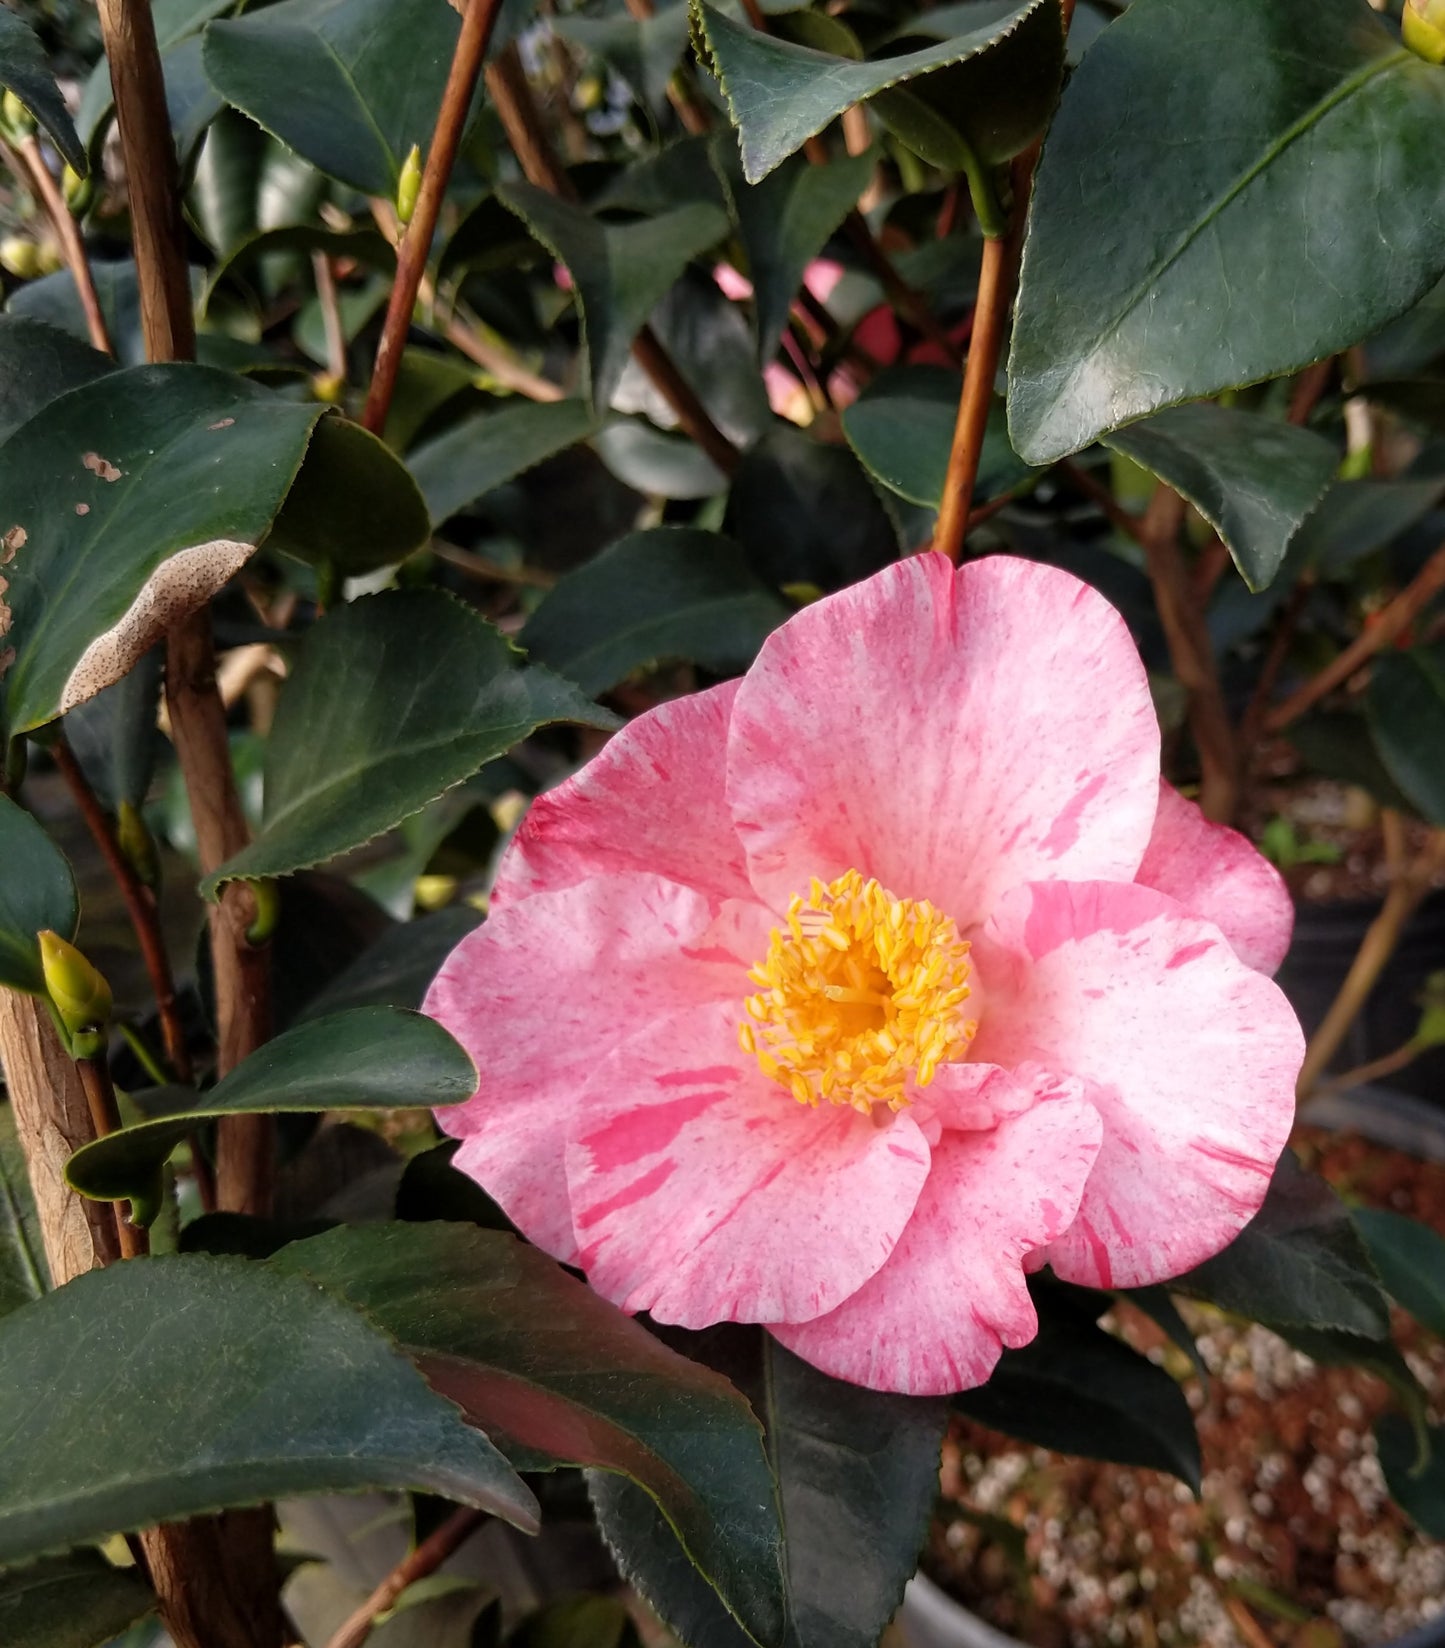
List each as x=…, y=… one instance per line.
x=1191, y=654
x=995, y=288
x=32, y=162
x=1408, y=888
x=1390, y=622
x=1253, y=723
x=330, y=302
x=517, y=110
x=1132, y=526
x=244, y=1163
x=478, y=21
x=1309, y=386
x=216, y=1580
x=141, y=907
x=424, y=1560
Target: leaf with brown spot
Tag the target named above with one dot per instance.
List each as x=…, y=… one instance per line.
x=136, y=497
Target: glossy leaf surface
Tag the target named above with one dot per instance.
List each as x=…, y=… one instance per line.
x=839, y=1453
x=671, y=592
x=380, y=1058
x=37, y=891
x=393, y=699
x=1252, y=478
x=136, y=497
x=497, y=1327
x=1272, y=238
x=269, y=1387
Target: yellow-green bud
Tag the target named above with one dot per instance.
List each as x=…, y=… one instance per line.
x=15, y=117
x=408, y=185
x=1423, y=28
x=137, y=843
x=79, y=191
x=20, y=257
x=49, y=258
x=268, y=910
x=76, y=987
x=328, y=387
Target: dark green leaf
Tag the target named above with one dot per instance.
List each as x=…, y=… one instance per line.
x=1252, y=478
x=114, y=735
x=137, y=496
x=371, y=1058
x=361, y=245
x=901, y=427
x=392, y=700
x=1406, y=710
x=426, y=382
x=1338, y=744
x=619, y=270
x=268, y=1387
x=643, y=51
x=1410, y=1258
x=496, y=1326
x=349, y=84
x=805, y=513
x=73, y=1601
x=396, y=970
x=24, y=1273
x=785, y=222
x=856, y=1473
x=657, y=463
x=483, y=451
x=190, y=102
x=1413, y=341
x=671, y=592
x=431, y=1189
x=676, y=175
x=488, y=238
x=780, y=94
x=1297, y=1264
x=578, y=1622
x=1356, y=518
x=38, y=362
x=354, y=504
x=24, y=71
x=1079, y=1390
x=1237, y=278
x=1157, y=1304
x=54, y=300
x=37, y=892
x=1419, y=1493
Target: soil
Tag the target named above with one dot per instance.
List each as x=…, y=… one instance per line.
x=1294, y=1543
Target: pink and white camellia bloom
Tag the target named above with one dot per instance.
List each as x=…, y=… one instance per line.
x=838, y=997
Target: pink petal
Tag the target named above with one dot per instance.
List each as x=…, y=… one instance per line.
x=703, y=1192
x=938, y=1314
x=1189, y=1056
x=651, y=800
x=951, y=733
x=1215, y=872
x=541, y=992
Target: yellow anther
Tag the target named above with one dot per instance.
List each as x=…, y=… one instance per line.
x=860, y=996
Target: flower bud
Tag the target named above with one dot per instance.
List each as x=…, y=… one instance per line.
x=79, y=191
x=75, y=986
x=1423, y=29
x=328, y=387
x=133, y=835
x=20, y=257
x=16, y=119
x=267, y=898
x=408, y=185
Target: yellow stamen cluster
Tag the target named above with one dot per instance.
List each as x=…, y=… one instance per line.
x=860, y=994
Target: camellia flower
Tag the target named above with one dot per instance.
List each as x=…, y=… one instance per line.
x=838, y=997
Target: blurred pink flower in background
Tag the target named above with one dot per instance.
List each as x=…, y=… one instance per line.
x=838, y=997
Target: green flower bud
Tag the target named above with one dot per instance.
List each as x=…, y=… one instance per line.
x=20, y=257
x=1423, y=29
x=14, y=116
x=328, y=387
x=137, y=843
x=79, y=191
x=78, y=990
x=408, y=185
x=268, y=910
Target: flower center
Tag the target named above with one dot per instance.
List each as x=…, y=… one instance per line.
x=860, y=993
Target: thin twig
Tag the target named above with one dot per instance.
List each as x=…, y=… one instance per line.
x=104, y=1114
x=1390, y=622
x=425, y=1559
x=1096, y=492
x=32, y=161
x=1191, y=654
x=1253, y=723
x=1407, y=890
x=1309, y=386
x=994, y=291
x=141, y=907
x=330, y=302
x=476, y=32
x=1373, y=1069
x=517, y=110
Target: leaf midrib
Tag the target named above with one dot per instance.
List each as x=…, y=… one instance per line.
x=1312, y=116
